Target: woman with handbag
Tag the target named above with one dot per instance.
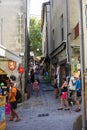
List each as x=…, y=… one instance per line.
x=64, y=95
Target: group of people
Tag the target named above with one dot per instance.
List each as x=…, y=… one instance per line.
x=64, y=92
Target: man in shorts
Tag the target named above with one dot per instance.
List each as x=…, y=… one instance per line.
x=78, y=93
x=13, y=102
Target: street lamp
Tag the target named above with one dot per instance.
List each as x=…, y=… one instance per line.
x=37, y=49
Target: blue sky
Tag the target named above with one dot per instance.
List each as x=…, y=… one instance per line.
x=35, y=7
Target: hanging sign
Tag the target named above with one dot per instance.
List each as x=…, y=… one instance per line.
x=11, y=65
x=21, y=70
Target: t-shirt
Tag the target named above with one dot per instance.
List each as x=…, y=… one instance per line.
x=78, y=86
x=12, y=94
x=36, y=85
x=71, y=84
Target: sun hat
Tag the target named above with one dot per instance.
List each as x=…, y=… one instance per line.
x=76, y=76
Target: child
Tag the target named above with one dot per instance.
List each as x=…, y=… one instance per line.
x=36, y=87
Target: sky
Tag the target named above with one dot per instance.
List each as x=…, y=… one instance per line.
x=35, y=7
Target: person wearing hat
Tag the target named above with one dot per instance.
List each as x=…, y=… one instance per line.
x=13, y=103
x=64, y=95
x=77, y=93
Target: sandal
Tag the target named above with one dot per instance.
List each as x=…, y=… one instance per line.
x=67, y=109
x=77, y=110
x=17, y=120
x=60, y=108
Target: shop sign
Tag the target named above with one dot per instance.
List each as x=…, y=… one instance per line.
x=74, y=67
x=11, y=65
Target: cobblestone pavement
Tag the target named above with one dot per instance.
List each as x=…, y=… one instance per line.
x=40, y=113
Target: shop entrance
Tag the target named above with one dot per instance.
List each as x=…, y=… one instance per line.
x=63, y=73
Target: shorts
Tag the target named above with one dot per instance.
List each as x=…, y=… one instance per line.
x=77, y=98
x=13, y=105
x=64, y=95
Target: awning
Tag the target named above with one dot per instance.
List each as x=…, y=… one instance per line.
x=5, y=53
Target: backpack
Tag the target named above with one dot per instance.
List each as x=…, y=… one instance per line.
x=18, y=96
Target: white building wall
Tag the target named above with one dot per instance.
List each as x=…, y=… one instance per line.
x=73, y=20
x=12, y=31
x=9, y=10
x=48, y=29
x=58, y=8
x=44, y=36
x=74, y=13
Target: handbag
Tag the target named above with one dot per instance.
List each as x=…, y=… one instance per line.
x=7, y=109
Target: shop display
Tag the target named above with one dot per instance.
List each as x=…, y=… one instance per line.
x=2, y=113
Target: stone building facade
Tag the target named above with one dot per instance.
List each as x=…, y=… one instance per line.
x=64, y=49
x=13, y=25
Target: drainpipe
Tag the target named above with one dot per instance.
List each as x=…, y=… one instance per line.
x=47, y=30
x=67, y=38
x=47, y=3
x=82, y=63
x=27, y=48
x=67, y=31
x=47, y=54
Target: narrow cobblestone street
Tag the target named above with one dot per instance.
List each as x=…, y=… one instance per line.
x=40, y=113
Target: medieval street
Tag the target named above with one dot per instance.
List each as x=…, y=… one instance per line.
x=40, y=113
x=46, y=41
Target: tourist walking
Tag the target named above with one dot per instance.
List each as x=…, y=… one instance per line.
x=78, y=93
x=13, y=102
x=64, y=95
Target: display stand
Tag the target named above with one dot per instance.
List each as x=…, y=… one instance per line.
x=2, y=113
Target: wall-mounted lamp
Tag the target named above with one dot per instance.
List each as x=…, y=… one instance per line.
x=86, y=15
